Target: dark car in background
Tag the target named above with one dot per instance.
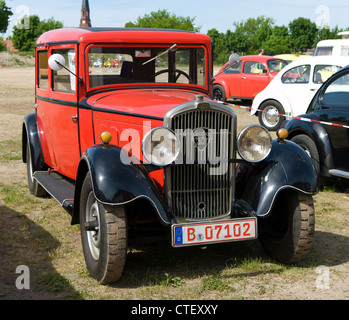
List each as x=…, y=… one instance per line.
x=323, y=132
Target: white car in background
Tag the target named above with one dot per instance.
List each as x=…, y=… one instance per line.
x=292, y=89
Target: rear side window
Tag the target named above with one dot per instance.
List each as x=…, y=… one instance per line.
x=323, y=72
x=42, y=70
x=63, y=80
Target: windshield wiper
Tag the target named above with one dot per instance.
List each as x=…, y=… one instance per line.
x=169, y=49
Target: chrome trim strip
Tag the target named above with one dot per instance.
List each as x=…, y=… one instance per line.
x=339, y=173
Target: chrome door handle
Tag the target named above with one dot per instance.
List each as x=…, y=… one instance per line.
x=74, y=117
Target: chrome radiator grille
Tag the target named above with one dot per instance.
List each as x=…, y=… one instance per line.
x=196, y=191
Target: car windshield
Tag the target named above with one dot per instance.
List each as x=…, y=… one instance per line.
x=275, y=65
x=111, y=65
x=323, y=51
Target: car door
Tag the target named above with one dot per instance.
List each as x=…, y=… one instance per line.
x=335, y=109
x=254, y=78
x=57, y=114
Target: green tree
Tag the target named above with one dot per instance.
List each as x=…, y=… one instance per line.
x=24, y=38
x=164, y=19
x=220, y=49
x=254, y=31
x=303, y=33
x=279, y=42
x=5, y=13
x=326, y=33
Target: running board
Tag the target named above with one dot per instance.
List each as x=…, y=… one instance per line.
x=58, y=188
x=339, y=173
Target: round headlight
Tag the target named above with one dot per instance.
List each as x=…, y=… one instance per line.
x=160, y=146
x=254, y=143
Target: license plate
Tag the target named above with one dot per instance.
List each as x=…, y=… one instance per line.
x=206, y=233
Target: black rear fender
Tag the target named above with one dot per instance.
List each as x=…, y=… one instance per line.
x=30, y=134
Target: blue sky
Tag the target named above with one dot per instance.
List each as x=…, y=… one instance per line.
x=219, y=14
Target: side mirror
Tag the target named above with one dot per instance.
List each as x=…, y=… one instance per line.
x=56, y=62
x=234, y=60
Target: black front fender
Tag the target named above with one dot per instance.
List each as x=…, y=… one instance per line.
x=115, y=182
x=286, y=167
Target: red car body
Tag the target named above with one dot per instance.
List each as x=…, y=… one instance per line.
x=142, y=150
x=63, y=140
x=244, y=82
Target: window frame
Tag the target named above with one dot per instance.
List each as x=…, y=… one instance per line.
x=39, y=63
x=205, y=63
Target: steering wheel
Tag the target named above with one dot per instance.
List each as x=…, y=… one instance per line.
x=180, y=72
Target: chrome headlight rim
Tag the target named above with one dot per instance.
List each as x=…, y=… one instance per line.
x=149, y=155
x=241, y=136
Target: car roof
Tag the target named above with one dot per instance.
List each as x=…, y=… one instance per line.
x=130, y=35
x=260, y=58
x=335, y=60
x=332, y=42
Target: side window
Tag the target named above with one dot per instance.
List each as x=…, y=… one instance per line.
x=252, y=67
x=42, y=65
x=63, y=80
x=337, y=93
x=323, y=72
x=300, y=74
x=230, y=70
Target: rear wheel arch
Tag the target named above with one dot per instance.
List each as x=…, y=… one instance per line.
x=309, y=146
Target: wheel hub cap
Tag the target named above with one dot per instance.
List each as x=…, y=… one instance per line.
x=93, y=226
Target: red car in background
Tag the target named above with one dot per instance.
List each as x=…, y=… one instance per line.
x=250, y=77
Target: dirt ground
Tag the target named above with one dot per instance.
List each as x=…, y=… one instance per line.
x=308, y=282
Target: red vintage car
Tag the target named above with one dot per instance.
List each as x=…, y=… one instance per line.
x=143, y=152
x=247, y=79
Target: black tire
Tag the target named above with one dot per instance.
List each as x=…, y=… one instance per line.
x=269, y=115
x=105, y=243
x=309, y=146
x=35, y=188
x=218, y=93
x=289, y=230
